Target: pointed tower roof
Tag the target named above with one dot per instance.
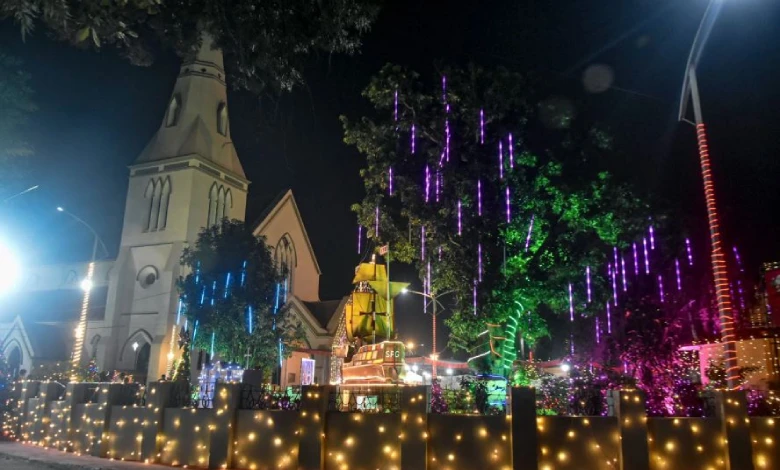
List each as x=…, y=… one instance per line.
x=196, y=120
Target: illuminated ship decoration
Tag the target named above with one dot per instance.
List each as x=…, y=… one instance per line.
x=369, y=324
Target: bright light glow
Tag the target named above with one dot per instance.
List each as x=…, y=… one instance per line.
x=11, y=272
x=135, y=346
x=404, y=290
x=60, y=209
x=86, y=284
x=78, y=345
x=565, y=367
x=449, y=371
x=409, y=345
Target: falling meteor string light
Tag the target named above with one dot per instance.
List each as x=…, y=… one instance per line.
x=178, y=311
x=652, y=238
x=227, y=286
x=571, y=320
x=615, y=253
x=530, y=230
x=440, y=252
x=479, y=262
x=479, y=197
x=460, y=218
x=677, y=270
x=614, y=285
x=623, y=266
x=587, y=282
x=413, y=138
x=376, y=223
x=249, y=317
x=661, y=288
x=395, y=106
x=609, y=319
x=481, y=126
x=390, y=181
x=474, y=288
x=636, y=261
x=647, y=258
x=438, y=184
x=422, y=243
x=688, y=249
x=447, y=136
x=427, y=183
x=598, y=333
x=243, y=272
x=511, y=153
x=739, y=259
x=508, y=207
x=360, y=239
x=501, y=159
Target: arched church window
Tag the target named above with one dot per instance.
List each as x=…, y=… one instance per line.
x=158, y=192
x=284, y=256
x=172, y=115
x=228, y=203
x=220, y=204
x=222, y=119
x=149, y=194
x=213, y=201
x=165, y=199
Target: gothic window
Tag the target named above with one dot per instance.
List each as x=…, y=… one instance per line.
x=284, y=256
x=213, y=201
x=222, y=119
x=172, y=115
x=158, y=193
x=220, y=204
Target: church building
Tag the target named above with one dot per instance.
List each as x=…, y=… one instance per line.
x=188, y=177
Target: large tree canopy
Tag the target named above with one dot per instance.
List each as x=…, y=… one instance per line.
x=515, y=228
x=264, y=42
x=16, y=105
x=235, y=293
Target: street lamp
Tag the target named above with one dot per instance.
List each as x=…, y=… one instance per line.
x=434, y=299
x=86, y=286
x=690, y=91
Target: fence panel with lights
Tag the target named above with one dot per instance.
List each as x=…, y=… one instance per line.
x=327, y=427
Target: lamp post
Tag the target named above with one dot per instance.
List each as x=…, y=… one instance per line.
x=690, y=92
x=86, y=285
x=434, y=300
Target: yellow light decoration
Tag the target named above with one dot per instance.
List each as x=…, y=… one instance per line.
x=78, y=345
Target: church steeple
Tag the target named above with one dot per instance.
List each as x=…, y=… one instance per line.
x=196, y=118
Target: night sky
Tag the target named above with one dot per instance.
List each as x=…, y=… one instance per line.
x=97, y=113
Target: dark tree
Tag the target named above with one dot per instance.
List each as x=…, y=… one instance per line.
x=16, y=106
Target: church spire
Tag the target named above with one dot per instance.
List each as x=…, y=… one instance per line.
x=196, y=118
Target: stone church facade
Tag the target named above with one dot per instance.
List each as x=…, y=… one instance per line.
x=188, y=177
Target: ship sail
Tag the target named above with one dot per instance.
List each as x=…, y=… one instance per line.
x=367, y=313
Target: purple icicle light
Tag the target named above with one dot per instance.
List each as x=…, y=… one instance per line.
x=395, y=106
x=422, y=243
x=444, y=89
x=479, y=198
x=587, y=282
x=460, y=218
x=739, y=259
x=360, y=239
x=647, y=258
x=617, y=266
x=614, y=285
x=481, y=126
x=609, y=319
x=376, y=223
x=511, y=153
x=636, y=261
x=530, y=231
x=508, y=207
x=447, y=137
x=438, y=185
x=598, y=333
x=474, y=290
x=413, y=138
x=623, y=266
x=677, y=270
x=427, y=183
x=479, y=262
x=661, y=288
x=439, y=252
x=652, y=238
x=688, y=249
x=571, y=304
x=500, y=159
x=390, y=181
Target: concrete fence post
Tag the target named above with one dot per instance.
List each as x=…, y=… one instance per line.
x=311, y=426
x=24, y=426
x=629, y=408
x=523, y=426
x=226, y=401
x=158, y=396
x=731, y=410
x=414, y=425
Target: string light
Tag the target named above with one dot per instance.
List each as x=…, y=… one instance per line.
x=609, y=320
x=688, y=249
x=479, y=262
x=636, y=261
x=661, y=288
x=677, y=270
x=500, y=160
x=422, y=242
x=652, y=238
x=530, y=231
x=413, y=138
x=511, y=152
x=508, y=207
x=647, y=258
x=460, y=218
x=481, y=126
x=427, y=183
x=376, y=223
x=360, y=239
x=479, y=198
x=623, y=269
x=390, y=181
x=587, y=282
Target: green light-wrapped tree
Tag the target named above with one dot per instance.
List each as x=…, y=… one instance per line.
x=181, y=372
x=450, y=188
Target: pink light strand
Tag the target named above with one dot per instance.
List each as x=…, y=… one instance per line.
x=479, y=197
x=376, y=223
x=623, y=266
x=614, y=285
x=395, y=106
x=413, y=138
x=530, y=231
x=511, y=153
x=636, y=261
x=444, y=89
x=427, y=183
x=474, y=289
x=647, y=258
x=422, y=243
x=360, y=239
x=460, y=218
x=609, y=319
x=481, y=126
x=652, y=238
x=479, y=262
x=661, y=288
x=508, y=207
x=587, y=282
x=438, y=185
x=677, y=270
x=390, y=181
x=598, y=333
x=571, y=304
x=614, y=251
x=447, y=137
x=500, y=159
x=688, y=249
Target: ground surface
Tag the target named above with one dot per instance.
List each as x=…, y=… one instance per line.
x=15, y=456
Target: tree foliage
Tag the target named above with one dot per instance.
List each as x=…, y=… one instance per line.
x=232, y=275
x=265, y=43
x=552, y=174
x=16, y=106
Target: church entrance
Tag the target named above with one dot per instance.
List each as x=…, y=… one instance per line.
x=142, y=363
x=15, y=361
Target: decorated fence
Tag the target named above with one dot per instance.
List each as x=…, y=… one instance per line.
x=327, y=427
